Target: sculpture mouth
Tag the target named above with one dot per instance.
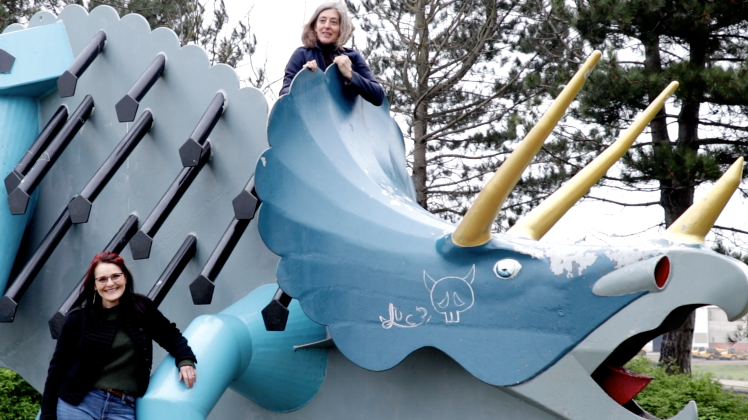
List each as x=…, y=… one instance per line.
x=621, y=384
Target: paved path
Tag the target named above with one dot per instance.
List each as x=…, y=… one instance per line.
x=737, y=386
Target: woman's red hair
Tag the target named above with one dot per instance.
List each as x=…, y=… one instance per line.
x=89, y=290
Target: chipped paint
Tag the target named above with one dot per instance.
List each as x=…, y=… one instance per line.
x=570, y=261
x=623, y=257
x=533, y=252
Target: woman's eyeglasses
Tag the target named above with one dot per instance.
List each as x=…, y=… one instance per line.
x=116, y=277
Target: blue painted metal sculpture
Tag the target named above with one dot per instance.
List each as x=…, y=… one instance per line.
x=383, y=273
x=41, y=55
x=534, y=328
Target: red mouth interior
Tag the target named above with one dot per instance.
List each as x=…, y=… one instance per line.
x=621, y=384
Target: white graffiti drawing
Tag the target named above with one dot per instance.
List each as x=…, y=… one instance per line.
x=451, y=295
x=396, y=316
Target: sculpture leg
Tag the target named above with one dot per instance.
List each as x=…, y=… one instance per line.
x=19, y=125
x=234, y=350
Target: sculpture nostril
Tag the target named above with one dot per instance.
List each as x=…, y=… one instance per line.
x=662, y=272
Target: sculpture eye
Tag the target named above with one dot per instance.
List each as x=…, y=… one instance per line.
x=507, y=268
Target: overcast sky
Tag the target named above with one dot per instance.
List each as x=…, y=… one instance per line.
x=277, y=25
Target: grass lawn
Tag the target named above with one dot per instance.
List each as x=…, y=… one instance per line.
x=723, y=371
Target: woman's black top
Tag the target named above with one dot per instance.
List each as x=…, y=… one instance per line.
x=363, y=81
x=82, y=349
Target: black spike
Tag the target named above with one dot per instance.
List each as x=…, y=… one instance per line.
x=202, y=288
x=192, y=149
x=67, y=82
x=6, y=61
x=246, y=203
x=245, y=206
x=116, y=245
x=140, y=245
x=48, y=133
x=80, y=206
x=19, y=197
x=9, y=302
x=275, y=315
x=173, y=270
x=127, y=107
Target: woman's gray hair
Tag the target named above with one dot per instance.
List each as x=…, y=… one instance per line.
x=309, y=37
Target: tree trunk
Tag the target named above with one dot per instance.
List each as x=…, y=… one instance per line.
x=675, y=354
x=675, y=197
x=672, y=355
x=420, y=115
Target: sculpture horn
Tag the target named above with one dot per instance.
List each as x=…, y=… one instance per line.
x=693, y=225
x=541, y=219
x=475, y=227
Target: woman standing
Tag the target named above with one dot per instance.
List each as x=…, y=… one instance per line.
x=103, y=357
x=323, y=37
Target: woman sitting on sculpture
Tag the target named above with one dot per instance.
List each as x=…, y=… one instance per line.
x=323, y=37
x=103, y=357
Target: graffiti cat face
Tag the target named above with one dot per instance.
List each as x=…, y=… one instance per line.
x=451, y=295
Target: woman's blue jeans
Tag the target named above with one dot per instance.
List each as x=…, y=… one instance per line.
x=97, y=405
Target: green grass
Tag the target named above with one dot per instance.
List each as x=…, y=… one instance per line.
x=722, y=371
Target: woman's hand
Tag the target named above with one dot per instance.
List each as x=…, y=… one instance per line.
x=345, y=66
x=311, y=65
x=188, y=374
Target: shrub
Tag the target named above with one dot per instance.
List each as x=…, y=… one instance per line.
x=18, y=399
x=667, y=394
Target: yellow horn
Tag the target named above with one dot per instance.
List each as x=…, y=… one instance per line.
x=475, y=227
x=541, y=219
x=693, y=225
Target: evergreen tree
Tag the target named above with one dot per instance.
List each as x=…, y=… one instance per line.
x=452, y=74
x=18, y=11
x=648, y=44
x=188, y=18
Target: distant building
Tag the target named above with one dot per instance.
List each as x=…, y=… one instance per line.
x=712, y=329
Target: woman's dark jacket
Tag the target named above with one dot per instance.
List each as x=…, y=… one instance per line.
x=363, y=81
x=84, y=342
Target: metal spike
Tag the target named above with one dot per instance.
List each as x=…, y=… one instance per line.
x=192, y=149
x=48, y=133
x=173, y=270
x=67, y=83
x=18, y=199
x=127, y=107
x=140, y=245
x=245, y=207
x=475, y=227
x=14, y=293
x=275, y=314
x=6, y=61
x=542, y=218
x=693, y=225
x=80, y=206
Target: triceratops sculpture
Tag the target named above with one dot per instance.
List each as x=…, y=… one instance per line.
x=356, y=251
x=537, y=330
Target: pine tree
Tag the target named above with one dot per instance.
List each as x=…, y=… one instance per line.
x=452, y=74
x=188, y=18
x=18, y=11
x=648, y=44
